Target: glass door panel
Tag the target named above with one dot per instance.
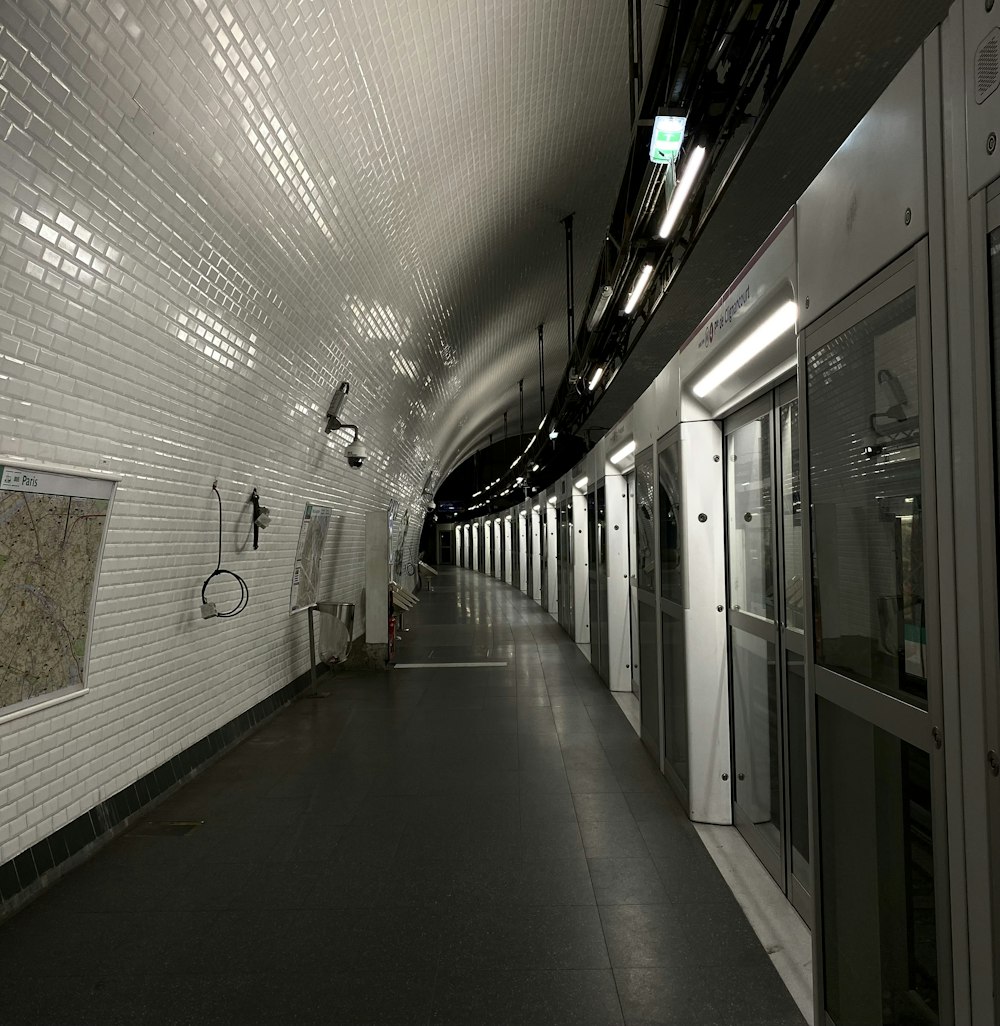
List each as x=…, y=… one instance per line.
x=645, y=543
x=751, y=574
x=864, y=431
x=767, y=641
x=880, y=778
x=880, y=962
x=798, y=786
x=648, y=695
x=645, y=594
x=593, y=590
x=633, y=586
x=675, y=705
x=791, y=516
x=565, y=570
x=675, y=712
x=671, y=541
x=757, y=741
x=603, y=662
x=754, y=641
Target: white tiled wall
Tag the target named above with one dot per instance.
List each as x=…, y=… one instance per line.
x=208, y=219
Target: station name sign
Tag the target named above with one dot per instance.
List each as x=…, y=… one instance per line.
x=20, y=479
x=723, y=317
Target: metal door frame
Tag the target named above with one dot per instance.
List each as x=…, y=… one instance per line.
x=633, y=584
x=776, y=861
x=593, y=576
x=902, y=720
x=978, y=750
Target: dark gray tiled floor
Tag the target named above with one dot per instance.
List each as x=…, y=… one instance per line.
x=441, y=846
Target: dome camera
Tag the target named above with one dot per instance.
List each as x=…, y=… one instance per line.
x=356, y=454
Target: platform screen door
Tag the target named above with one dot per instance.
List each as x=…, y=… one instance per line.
x=879, y=765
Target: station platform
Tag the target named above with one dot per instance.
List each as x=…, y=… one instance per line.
x=474, y=837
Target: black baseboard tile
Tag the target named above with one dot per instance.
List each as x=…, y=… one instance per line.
x=25, y=876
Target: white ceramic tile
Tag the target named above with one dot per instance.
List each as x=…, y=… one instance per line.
x=211, y=213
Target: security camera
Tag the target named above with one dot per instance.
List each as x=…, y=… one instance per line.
x=336, y=406
x=356, y=454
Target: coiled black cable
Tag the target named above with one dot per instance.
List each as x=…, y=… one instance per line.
x=219, y=572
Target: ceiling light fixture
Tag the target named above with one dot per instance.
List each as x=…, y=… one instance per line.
x=692, y=165
x=553, y=434
x=594, y=378
x=598, y=309
x=623, y=453
x=756, y=342
x=582, y=483
x=638, y=288
x=535, y=508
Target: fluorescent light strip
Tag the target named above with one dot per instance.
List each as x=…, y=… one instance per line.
x=595, y=377
x=541, y=423
x=623, y=453
x=756, y=342
x=692, y=165
x=639, y=288
x=582, y=483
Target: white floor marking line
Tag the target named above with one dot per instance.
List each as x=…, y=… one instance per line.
x=435, y=666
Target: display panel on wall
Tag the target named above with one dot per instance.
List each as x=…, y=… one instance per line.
x=52, y=528
x=308, y=556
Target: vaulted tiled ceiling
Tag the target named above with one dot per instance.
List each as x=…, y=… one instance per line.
x=410, y=163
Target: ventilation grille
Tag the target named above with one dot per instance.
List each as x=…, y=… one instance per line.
x=987, y=66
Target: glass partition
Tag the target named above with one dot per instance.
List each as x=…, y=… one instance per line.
x=592, y=530
x=798, y=788
x=756, y=737
x=750, y=538
x=879, y=929
x=672, y=638
x=671, y=541
x=604, y=656
x=791, y=515
x=868, y=547
x=645, y=541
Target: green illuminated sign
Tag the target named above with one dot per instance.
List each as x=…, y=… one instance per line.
x=668, y=134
